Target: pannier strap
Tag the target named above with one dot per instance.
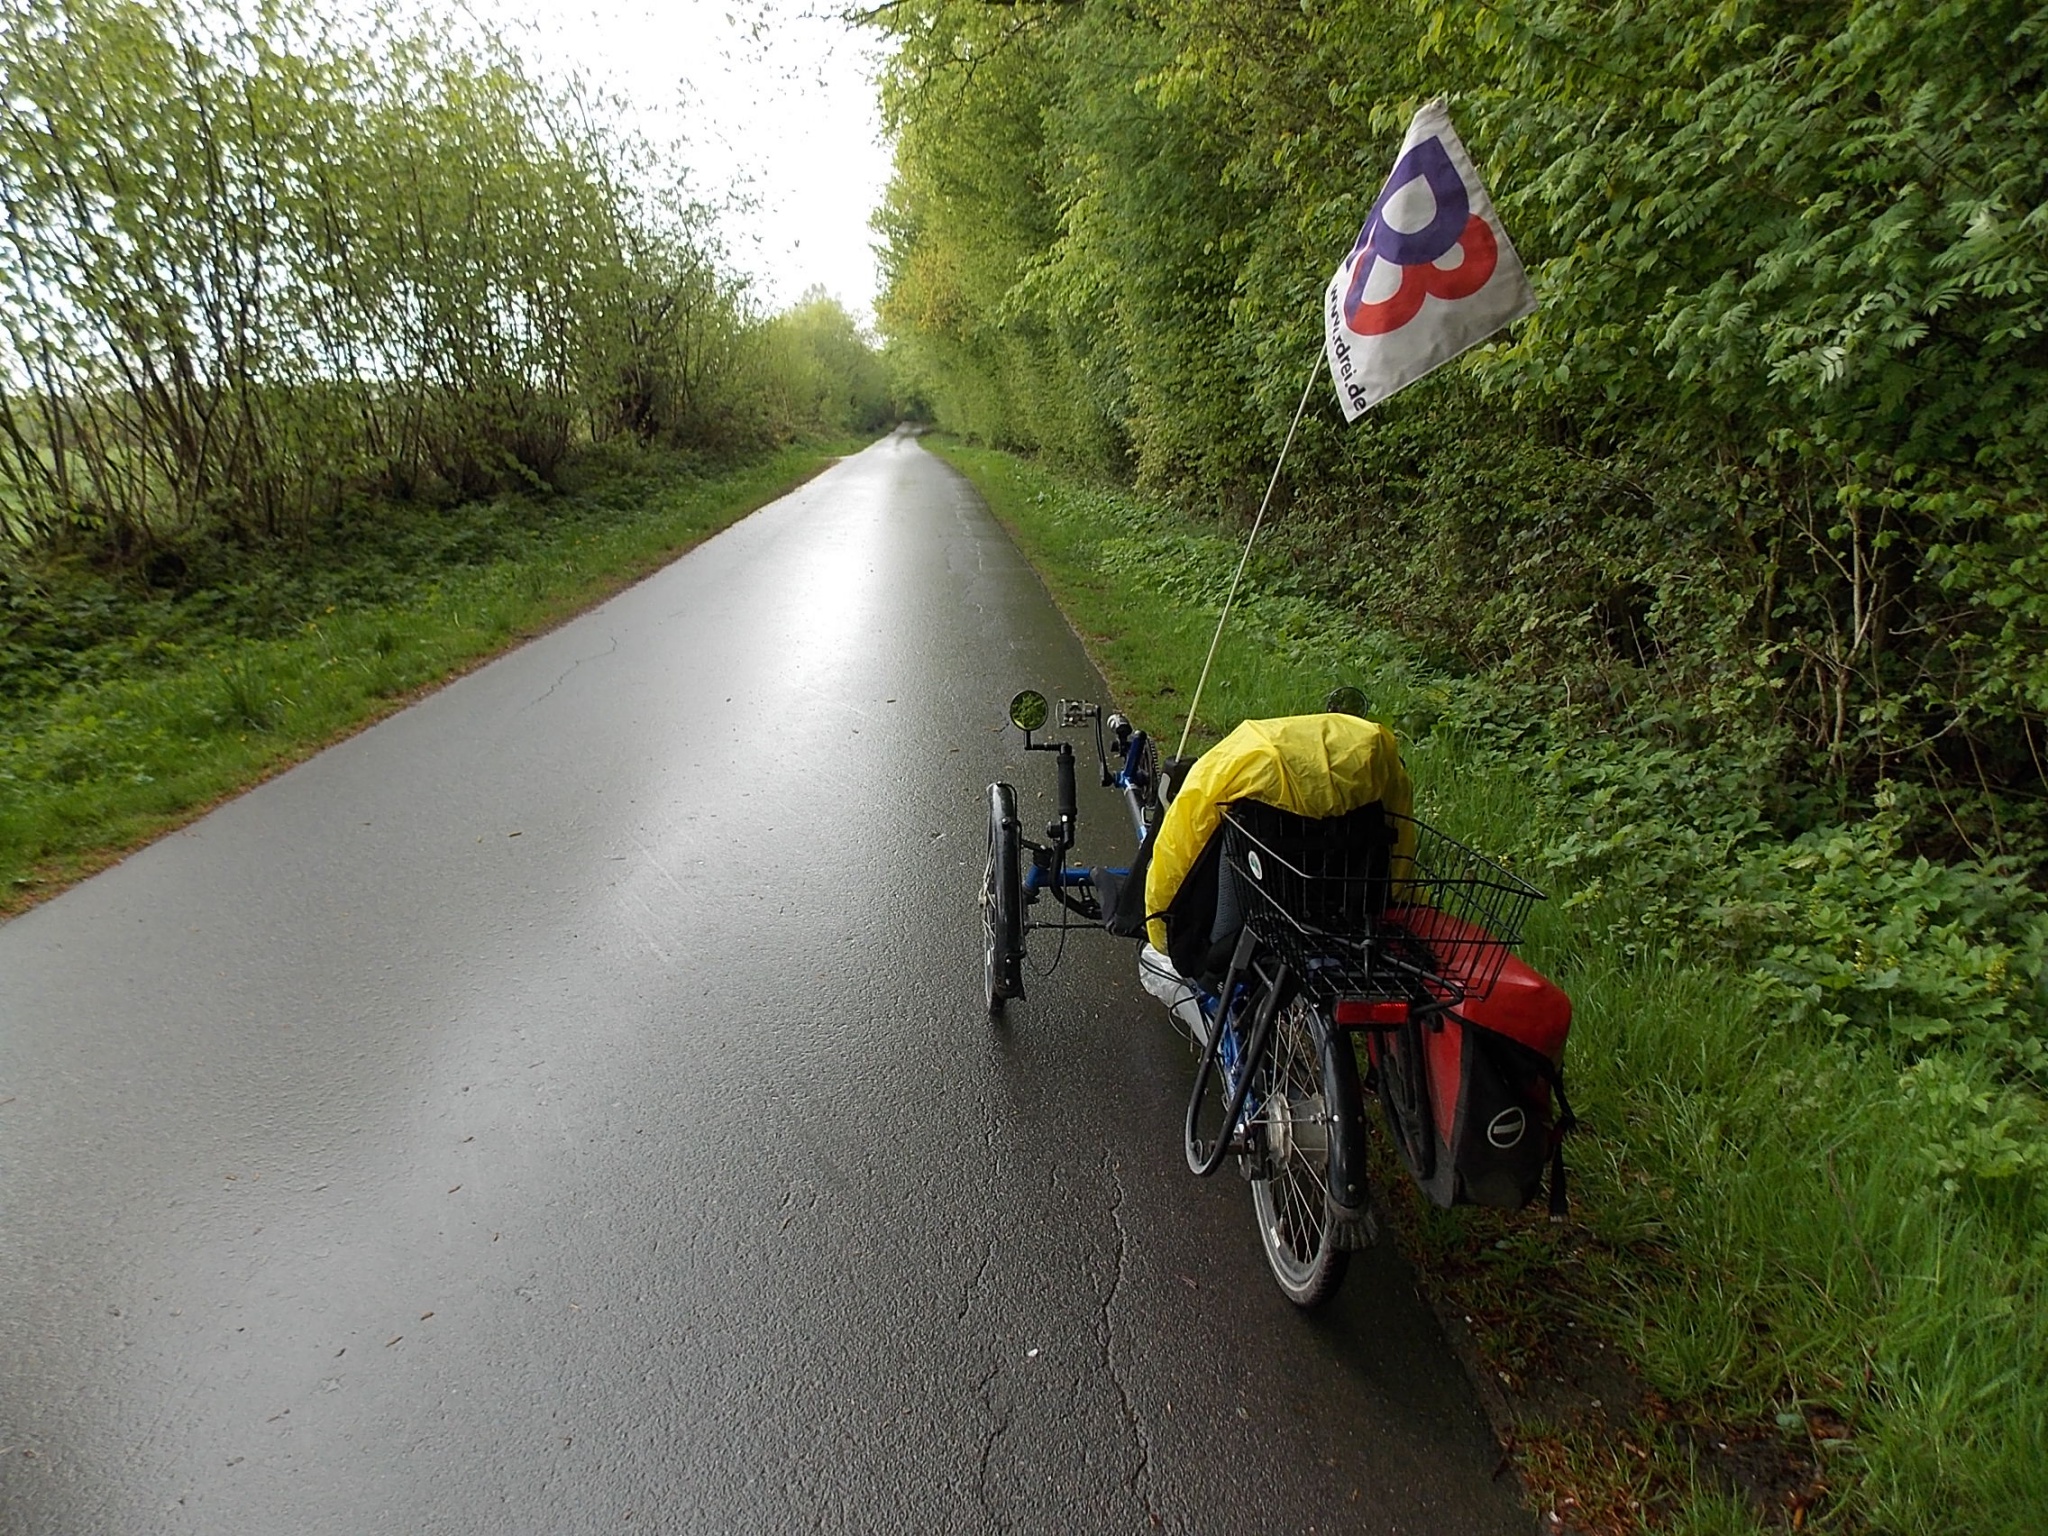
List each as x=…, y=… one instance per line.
x=1566, y=1122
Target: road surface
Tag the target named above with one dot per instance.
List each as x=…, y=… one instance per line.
x=567, y=1107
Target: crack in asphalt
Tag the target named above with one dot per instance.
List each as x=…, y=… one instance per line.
x=988, y=1258
x=573, y=665
x=1105, y=1338
x=998, y=1422
x=998, y=1427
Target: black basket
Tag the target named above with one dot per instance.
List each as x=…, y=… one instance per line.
x=1374, y=904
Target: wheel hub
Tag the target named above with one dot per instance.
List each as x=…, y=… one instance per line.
x=1297, y=1126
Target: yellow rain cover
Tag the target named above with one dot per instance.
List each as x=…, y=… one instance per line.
x=1312, y=765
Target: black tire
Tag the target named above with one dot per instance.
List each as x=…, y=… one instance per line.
x=1309, y=1122
x=1002, y=903
x=1404, y=1098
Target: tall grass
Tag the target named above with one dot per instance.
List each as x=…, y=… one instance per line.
x=1758, y=1227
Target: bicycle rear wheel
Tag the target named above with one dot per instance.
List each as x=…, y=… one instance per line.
x=1309, y=1121
x=1002, y=903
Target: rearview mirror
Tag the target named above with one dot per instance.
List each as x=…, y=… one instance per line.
x=1346, y=701
x=1028, y=710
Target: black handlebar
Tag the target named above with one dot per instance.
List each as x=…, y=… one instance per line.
x=1131, y=761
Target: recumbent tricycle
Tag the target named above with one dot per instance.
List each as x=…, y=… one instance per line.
x=1318, y=942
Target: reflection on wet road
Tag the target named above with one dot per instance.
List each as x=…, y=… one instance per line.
x=569, y=1103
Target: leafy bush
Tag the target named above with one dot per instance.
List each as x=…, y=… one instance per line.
x=1765, y=463
x=262, y=262
x=1813, y=1168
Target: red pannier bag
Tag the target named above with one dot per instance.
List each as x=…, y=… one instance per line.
x=1474, y=1095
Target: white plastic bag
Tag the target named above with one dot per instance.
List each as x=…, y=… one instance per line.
x=1175, y=990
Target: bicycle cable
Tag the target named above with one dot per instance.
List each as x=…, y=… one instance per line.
x=1066, y=923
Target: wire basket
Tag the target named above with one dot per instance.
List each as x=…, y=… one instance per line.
x=1373, y=904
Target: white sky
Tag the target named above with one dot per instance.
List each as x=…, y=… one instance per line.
x=774, y=101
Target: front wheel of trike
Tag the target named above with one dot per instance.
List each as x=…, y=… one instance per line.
x=1309, y=1121
x=1002, y=903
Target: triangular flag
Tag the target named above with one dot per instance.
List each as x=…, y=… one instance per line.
x=1432, y=274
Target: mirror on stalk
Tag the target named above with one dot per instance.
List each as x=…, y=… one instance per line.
x=1346, y=701
x=1028, y=710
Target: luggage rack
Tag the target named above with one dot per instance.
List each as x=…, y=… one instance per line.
x=1373, y=904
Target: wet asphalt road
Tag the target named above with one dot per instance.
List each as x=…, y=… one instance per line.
x=568, y=1107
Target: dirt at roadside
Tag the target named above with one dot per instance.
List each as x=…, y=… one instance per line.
x=1597, y=1452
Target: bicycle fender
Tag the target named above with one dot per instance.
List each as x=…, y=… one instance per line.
x=1347, y=1174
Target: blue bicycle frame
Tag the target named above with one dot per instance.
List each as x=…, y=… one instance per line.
x=1074, y=887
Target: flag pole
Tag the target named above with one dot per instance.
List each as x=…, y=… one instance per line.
x=1223, y=618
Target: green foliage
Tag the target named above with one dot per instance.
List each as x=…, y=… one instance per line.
x=1766, y=461
x=1714, y=595
x=258, y=261
x=1814, y=1164
x=817, y=366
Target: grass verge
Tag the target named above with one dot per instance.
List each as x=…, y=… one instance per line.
x=1773, y=1307
x=129, y=713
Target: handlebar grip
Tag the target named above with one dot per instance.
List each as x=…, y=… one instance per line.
x=1069, y=802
